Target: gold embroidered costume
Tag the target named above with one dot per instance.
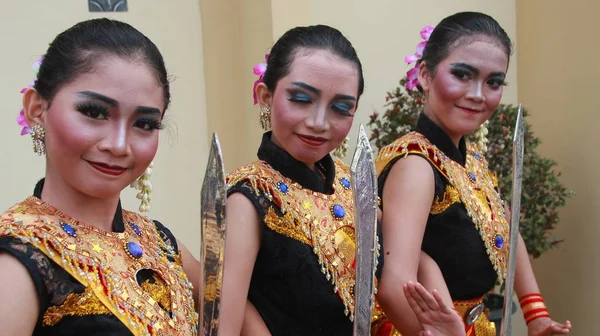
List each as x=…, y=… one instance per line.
x=466, y=232
x=325, y=222
x=472, y=185
x=132, y=275
x=303, y=278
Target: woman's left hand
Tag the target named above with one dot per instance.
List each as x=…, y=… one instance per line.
x=546, y=327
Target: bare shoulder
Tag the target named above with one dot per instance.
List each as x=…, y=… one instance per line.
x=18, y=298
x=412, y=167
x=412, y=174
x=242, y=208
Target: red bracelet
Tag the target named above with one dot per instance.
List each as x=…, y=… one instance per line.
x=533, y=307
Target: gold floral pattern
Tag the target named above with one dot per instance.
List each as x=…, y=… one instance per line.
x=83, y=304
x=450, y=197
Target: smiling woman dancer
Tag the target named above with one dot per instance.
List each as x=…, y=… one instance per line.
x=289, y=250
x=438, y=192
x=73, y=261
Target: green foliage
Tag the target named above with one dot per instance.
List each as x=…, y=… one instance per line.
x=542, y=192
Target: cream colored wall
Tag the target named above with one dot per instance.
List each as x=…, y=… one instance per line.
x=28, y=27
x=558, y=83
x=236, y=35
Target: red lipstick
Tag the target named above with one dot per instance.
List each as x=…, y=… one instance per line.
x=311, y=140
x=107, y=169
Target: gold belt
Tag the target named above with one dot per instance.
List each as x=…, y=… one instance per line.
x=470, y=310
x=476, y=322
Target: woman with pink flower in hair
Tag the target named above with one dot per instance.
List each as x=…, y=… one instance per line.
x=72, y=260
x=290, y=246
x=437, y=193
x=280, y=270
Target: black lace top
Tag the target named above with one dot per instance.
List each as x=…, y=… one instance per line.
x=287, y=287
x=54, y=286
x=451, y=238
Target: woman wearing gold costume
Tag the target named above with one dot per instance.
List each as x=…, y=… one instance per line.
x=289, y=254
x=73, y=261
x=437, y=192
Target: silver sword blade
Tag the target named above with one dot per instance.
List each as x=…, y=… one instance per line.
x=364, y=182
x=515, y=210
x=212, y=231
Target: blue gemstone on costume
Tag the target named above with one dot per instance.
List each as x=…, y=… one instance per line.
x=338, y=211
x=477, y=156
x=345, y=183
x=68, y=229
x=472, y=177
x=135, y=228
x=283, y=187
x=499, y=241
x=135, y=250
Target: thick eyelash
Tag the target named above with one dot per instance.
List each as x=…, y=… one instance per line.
x=499, y=82
x=299, y=101
x=461, y=74
x=87, y=108
x=300, y=98
x=344, y=112
x=152, y=123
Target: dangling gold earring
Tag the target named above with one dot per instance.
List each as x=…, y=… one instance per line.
x=265, y=118
x=145, y=188
x=38, y=135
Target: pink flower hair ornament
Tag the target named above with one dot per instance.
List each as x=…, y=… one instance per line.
x=412, y=75
x=259, y=69
x=21, y=118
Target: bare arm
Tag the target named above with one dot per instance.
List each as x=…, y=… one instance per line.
x=18, y=299
x=253, y=323
x=409, y=191
x=241, y=248
x=525, y=283
x=431, y=278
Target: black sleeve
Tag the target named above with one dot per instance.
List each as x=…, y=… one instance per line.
x=261, y=202
x=169, y=239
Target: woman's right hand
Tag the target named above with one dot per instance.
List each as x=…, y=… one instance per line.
x=436, y=318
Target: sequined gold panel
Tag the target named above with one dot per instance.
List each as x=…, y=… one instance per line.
x=324, y=222
x=107, y=263
x=476, y=188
